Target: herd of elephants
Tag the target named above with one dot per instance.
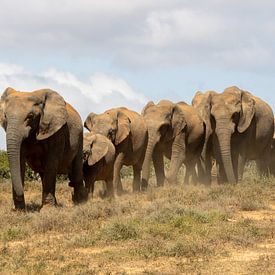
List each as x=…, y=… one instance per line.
x=46, y=132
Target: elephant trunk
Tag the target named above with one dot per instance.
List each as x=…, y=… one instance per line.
x=14, y=142
x=147, y=160
x=224, y=139
x=177, y=158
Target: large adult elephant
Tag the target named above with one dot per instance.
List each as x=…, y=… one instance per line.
x=175, y=131
x=128, y=132
x=202, y=103
x=244, y=129
x=44, y=130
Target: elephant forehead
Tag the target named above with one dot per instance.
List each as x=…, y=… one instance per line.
x=159, y=110
x=106, y=118
x=89, y=137
x=16, y=101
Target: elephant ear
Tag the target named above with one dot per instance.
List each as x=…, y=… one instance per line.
x=123, y=127
x=197, y=98
x=88, y=123
x=178, y=120
x=54, y=114
x=247, y=113
x=5, y=94
x=146, y=107
x=99, y=149
x=2, y=115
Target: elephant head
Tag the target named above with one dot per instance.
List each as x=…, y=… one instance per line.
x=96, y=148
x=165, y=121
x=113, y=124
x=39, y=114
x=202, y=103
x=231, y=114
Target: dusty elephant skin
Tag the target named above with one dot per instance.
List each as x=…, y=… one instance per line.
x=46, y=132
x=244, y=127
x=177, y=132
x=202, y=103
x=128, y=132
x=98, y=162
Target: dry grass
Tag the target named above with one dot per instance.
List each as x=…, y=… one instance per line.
x=175, y=229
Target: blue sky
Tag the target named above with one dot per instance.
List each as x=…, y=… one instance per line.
x=102, y=54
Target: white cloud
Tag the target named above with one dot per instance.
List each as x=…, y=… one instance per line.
x=96, y=94
x=141, y=33
x=98, y=87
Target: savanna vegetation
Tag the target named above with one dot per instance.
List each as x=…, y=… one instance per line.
x=176, y=229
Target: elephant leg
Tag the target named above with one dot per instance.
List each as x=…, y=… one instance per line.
x=263, y=163
x=116, y=177
x=241, y=165
x=194, y=174
x=235, y=163
x=262, y=168
x=159, y=167
x=187, y=175
x=104, y=192
x=137, y=178
x=221, y=176
x=208, y=169
x=48, y=187
x=76, y=180
x=20, y=203
x=109, y=187
x=89, y=185
x=201, y=169
x=214, y=171
x=190, y=171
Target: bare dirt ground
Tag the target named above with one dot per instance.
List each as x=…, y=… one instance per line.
x=171, y=230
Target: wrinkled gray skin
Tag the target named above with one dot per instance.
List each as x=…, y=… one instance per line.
x=244, y=127
x=128, y=132
x=202, y=103
x=46, y=132
x=177, y=132
x=98, y=162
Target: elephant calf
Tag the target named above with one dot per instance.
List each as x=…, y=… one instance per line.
x=98, y=161
x=128, y=132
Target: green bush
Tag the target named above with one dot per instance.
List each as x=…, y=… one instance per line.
x=4, y=165
x=5, y=169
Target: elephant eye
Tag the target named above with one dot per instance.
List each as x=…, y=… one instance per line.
x=163, y=129
x=30, y=115
x=235, y=117
x=111, y=133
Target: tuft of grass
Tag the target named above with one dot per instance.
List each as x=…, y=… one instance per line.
x=13, y=233
x=119, y=230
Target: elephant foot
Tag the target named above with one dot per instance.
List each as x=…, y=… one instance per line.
x=49, y=200
x=144, y=185
x=136, y=187
x=120, y=192
x=80, y=194
x=19, y=203
x=170, y=181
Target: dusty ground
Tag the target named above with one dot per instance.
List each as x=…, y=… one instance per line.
x=170, y=230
